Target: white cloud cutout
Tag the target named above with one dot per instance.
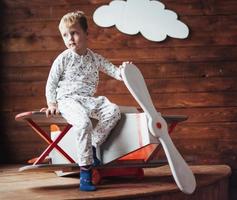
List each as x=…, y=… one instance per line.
x=149, y=17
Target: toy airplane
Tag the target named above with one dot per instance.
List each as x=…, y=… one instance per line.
x=130, y=147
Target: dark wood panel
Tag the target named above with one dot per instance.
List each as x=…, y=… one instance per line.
x=24, y=74
x=113, y=87
x=149, y=71
x=45, y=3
x=219, y=131
x=182, y=85
x=22, y=3
x=208, y=151
x=219, y=7
x=22, y=152
x=32, y=59
x=157, y=183
x=181, y=100
x=55, y=43
x=41, y=13
x=173, y=100
x=24, y=29
x=199, y=25
x=204, y=7
x=40, y=10
x=208, y=30
x=182, y=54
x=205, y=115
x=32, y=42
x=187, y=69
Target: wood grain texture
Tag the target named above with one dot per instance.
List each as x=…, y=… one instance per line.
x=157, y=71
x=137, y=55
x=195, y=77
x=111, y=86
x=212, y=184
x=45, y=35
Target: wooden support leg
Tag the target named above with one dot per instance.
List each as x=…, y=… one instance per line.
x=52, y=144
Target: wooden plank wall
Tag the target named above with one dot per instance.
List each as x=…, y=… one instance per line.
x=196, y=77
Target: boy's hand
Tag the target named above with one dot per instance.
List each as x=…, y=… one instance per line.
x=52, y=110
x=124, y=64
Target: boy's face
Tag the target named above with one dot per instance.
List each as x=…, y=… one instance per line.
x=75, y=38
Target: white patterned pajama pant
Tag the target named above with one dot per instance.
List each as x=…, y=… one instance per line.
x=78, y=111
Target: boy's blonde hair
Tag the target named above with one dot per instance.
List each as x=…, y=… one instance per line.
x=73, y=18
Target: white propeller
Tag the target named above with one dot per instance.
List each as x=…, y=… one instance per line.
x=135, y=83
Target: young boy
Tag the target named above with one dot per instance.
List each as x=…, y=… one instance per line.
x=70, y=87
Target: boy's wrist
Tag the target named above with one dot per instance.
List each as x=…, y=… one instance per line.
x=52, y=105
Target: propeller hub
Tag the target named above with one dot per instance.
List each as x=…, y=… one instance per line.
x=158, y=125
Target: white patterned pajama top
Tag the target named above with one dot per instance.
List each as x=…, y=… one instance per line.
x=71, y=84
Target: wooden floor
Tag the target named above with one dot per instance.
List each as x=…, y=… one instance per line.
x=158, y=184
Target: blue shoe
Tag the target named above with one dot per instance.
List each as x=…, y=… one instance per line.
x=96, y=160
x=86, y=180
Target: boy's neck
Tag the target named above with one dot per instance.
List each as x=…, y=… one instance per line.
x=82, y=52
